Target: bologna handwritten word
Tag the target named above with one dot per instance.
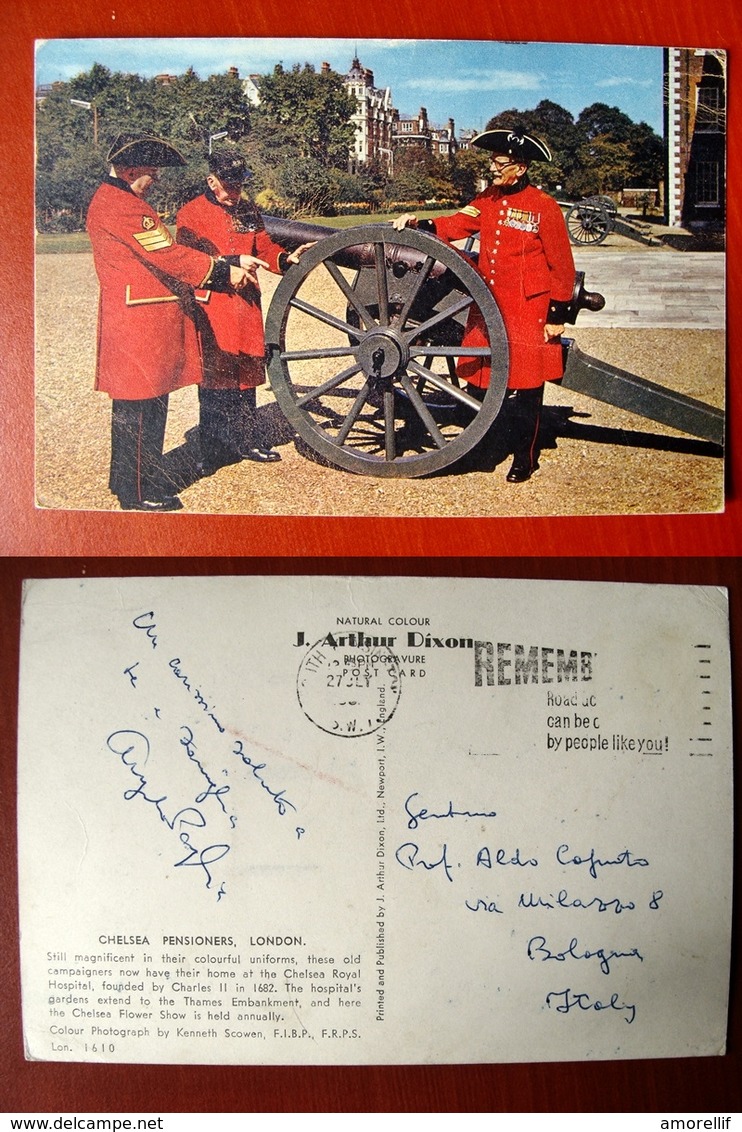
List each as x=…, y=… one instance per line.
x=538, y=948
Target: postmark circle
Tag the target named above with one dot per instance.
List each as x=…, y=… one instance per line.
x=346, y=691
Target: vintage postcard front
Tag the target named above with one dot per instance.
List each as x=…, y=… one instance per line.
x=373, y=820
x=397, y=359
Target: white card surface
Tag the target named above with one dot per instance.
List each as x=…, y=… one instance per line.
x=321, y=820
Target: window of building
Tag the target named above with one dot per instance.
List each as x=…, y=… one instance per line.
x=708, y=184
x=710, y=110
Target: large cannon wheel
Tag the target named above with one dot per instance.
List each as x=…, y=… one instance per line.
x=362, y=362
x=589, y=222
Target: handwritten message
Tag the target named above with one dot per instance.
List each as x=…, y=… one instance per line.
x=188, y=783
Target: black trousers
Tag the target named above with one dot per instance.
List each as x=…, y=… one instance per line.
x=227, y=422
x=523, y=425
x=137, y=439
x=516, y=428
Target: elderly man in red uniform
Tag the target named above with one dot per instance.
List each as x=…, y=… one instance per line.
x=146, y=347
x=526, y=260
x=223, y=222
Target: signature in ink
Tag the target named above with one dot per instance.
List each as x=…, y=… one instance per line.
x=133, y=748
x=417, y=815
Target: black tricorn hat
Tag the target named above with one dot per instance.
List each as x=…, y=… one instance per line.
x=522, y=147
x=230, y=168
x=132, y=150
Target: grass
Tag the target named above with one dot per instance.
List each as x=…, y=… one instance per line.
x=71, y=242
x=55, y=243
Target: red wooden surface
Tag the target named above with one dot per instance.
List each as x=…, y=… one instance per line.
x=25, y=530
x=687, y=1085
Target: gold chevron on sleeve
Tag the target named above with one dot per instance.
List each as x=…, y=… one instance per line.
x=470, y=210
x=154, y=240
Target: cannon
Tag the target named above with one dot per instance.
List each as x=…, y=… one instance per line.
x=592, y=219
x=363, y=336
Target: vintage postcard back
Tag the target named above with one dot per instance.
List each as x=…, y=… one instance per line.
x=373, y=820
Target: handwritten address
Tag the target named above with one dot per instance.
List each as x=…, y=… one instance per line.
x=459, y=868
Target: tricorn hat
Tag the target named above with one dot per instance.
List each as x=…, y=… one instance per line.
x=143, y=149
x=522, y=147
x=230, y=168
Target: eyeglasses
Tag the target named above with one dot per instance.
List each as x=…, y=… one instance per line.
x=501, y=163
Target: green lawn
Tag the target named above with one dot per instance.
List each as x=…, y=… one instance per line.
x=62, y=242
x=79, y=242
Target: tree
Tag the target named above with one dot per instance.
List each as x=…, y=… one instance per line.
x=307, y=112
x=186, y=111
x=67, y=189
x=614, y=152
x=420, y=175
x=470, y=167
x=601, y=120
x=603, y=167
x=647, y=157
x=302, y=132
x=307, y=185
x=189, y=110
x=374, y=177
x=600, y=152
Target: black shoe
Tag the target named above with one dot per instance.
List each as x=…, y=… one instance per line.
x=205, y=468
x=160, y=503
x=521, y=470
x=260, y=455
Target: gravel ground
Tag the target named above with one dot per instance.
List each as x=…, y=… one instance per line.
x=596, y=459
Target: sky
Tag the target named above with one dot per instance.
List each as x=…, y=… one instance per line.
x=468, y=81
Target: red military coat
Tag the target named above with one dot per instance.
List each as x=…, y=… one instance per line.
x=230, y=324
x=526, y=260
x=146, y=346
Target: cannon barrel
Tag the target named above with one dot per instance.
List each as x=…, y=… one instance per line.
x=582, y=299
x=291, y=233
